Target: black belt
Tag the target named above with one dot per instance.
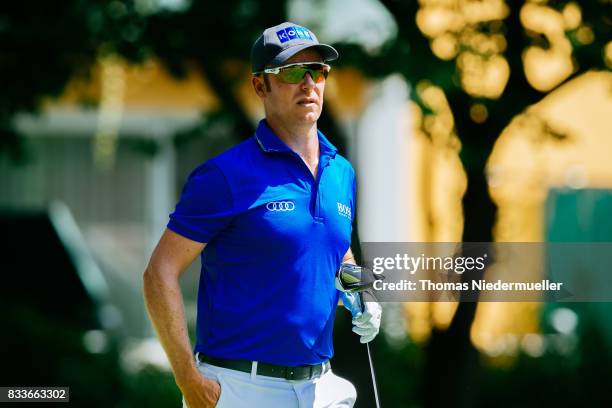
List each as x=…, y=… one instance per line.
x=270, y=370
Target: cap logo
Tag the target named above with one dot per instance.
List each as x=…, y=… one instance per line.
x=293, y=32
x=302, y=33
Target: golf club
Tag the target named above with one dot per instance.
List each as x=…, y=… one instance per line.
x=353, y=278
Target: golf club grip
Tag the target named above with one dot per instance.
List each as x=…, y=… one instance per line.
x=362, y=302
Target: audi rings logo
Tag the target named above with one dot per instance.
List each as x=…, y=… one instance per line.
x=280, y=206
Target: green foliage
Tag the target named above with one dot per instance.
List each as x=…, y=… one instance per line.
x=554, y=379
x=40, y=350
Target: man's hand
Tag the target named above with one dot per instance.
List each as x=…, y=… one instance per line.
x=366, y=322
x=200, y=392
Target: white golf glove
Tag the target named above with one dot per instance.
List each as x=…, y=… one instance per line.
x=366, y=323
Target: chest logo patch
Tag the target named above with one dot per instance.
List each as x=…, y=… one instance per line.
x=280, y=206
x=344, y=210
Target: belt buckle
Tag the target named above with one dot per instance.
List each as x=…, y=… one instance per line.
x=290, y=375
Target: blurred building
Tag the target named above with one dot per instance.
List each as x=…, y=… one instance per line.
x=115, y=167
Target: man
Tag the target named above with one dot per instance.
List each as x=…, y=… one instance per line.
x=271, y=218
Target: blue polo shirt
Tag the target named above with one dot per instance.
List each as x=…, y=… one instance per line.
x=275, y=238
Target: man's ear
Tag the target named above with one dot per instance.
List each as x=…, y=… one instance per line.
x=259, y=86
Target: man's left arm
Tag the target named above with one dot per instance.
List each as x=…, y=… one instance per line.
x=349, y=258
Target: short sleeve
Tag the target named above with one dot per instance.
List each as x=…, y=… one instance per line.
x=206, y=205
x=354, y=198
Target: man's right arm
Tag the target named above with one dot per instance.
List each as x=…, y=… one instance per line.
x=164, y=301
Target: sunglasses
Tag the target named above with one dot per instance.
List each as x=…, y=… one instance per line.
x=294, y=73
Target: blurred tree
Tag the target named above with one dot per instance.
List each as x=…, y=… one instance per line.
x=492, y=60
x=43, y=45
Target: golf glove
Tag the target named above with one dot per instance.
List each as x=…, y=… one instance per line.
x=366, y=323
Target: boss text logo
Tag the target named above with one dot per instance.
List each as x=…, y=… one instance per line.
x=344, y=210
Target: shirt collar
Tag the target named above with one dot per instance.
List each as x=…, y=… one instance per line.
x=269, y=142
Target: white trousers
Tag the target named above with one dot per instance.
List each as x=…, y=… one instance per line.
x=239, y=389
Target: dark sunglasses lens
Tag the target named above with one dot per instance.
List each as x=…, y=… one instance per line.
x=294, y=75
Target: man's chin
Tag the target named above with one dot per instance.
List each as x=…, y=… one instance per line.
x=309, y=117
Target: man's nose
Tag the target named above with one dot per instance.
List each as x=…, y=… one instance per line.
x=308, y=82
